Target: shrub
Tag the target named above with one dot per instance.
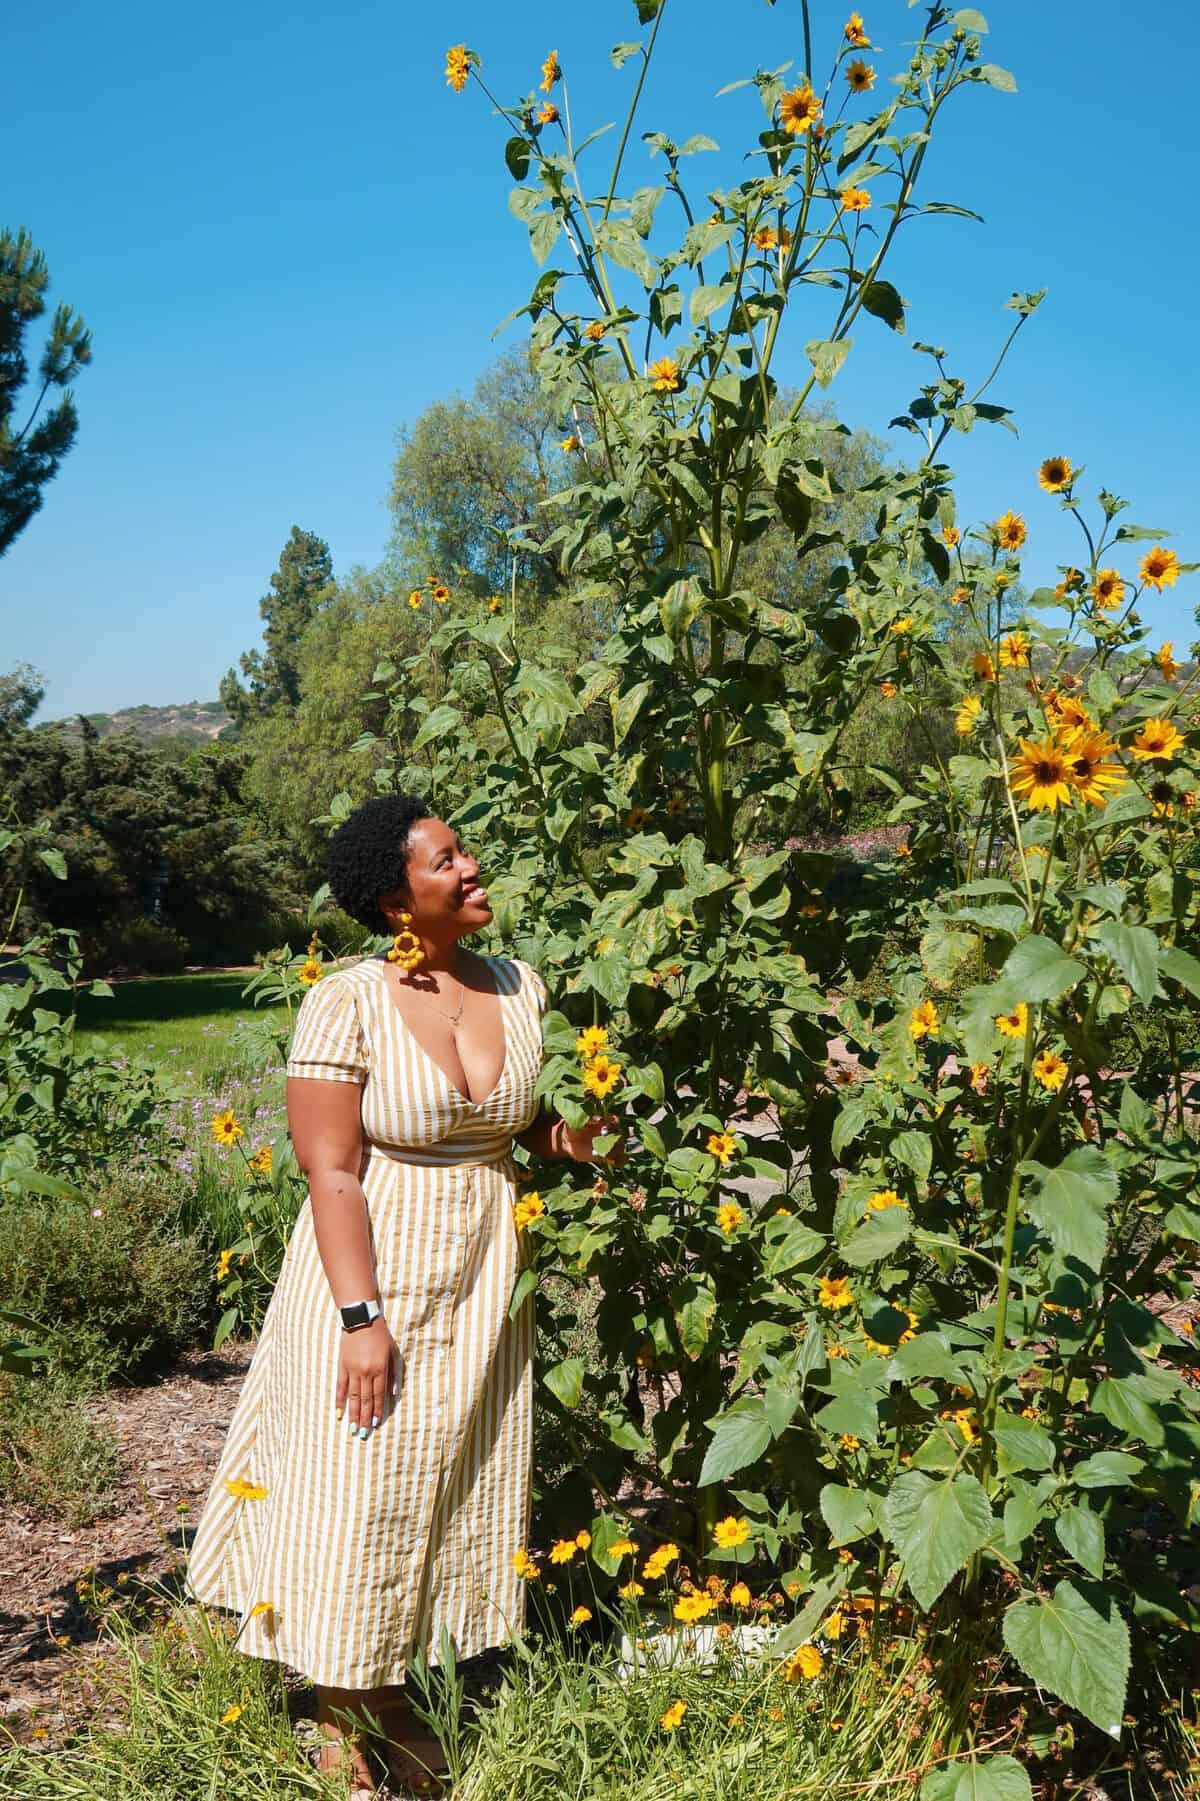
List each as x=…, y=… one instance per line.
x=56, y=1455
x=135, y=946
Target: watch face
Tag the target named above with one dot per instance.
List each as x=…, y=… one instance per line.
x=357, y=1315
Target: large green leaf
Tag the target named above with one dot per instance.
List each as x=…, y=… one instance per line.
x=1036, y=969
x=436, y=724
x=741, y=1436
x=565, y=1380
x=794, y=1243
x=1134, y=950
x=847, y=1513
x=1080, y=1532
x=1077, y=1650
x=1022, y=1444
x=827, y=356
x=1121, y=1401
x=882, y=1234
x=1070, y=1203
x=1107, y=1469
x=1183, y=968
x=626, y=707
x=694, y=1303
x=995, y=1779
x=936, y=1527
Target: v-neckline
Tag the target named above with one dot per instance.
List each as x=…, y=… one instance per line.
x=390, y=1000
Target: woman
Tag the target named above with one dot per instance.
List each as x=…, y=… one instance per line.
x=374, y=1484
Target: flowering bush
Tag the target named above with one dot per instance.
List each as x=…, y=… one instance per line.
x=939, y=1338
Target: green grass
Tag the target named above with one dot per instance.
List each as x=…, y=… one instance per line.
x=197, y=1029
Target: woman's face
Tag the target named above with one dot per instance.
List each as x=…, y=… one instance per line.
x=443, y=893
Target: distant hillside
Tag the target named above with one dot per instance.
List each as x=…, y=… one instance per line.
x=193, y=721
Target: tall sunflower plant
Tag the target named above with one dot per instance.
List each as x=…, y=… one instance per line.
x=897, y=1269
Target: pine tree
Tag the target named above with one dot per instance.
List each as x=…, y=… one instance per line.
x=30, y=452
x=300, y=585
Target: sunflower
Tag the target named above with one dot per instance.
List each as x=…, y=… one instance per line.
x=729, y=1217
x=601, y=1076
x=1040, y=775
x=1166, y=662
x=1159, y=740
x=766, y=238
x=835, y=1292
x=981, y=1076
x=860, y=75
x=1163, y=796
x=260, y=1163
x=1013, y=1023
x=901, y=627
x=690, y=1608
x=570, y=442
x=1010, y=531
x=665, y=375
x=496, y=603
x=673, y=1718
x=722, y=1146
x=310, y=971
x=1065, y=712
x=923, y=1020
x=1050, y=1070
x=731, y=1531
x=1055, y=474
x=677, y=805
x=595, y=331
x=547, y=113
x=591, y=1040
x=531, y=1206
x=983, y=667
x=854, y=32
x=799, y=110
x=441, y=593
x=1108, y=590
x=1159, y=568
x=551, y=72
x=889, y=690
x=882, y=1199
x=416, y=599
x=854, y=200
x=806, y=1663
x=959, y=595
x=225, y=1128
x=1014, y=651
x=970, y=709
x=1092, y=769
x=458, y=67
x=636, y=818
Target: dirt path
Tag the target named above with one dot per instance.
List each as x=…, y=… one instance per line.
x=169, y=1433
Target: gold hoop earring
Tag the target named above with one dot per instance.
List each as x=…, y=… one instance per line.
x=406, y=946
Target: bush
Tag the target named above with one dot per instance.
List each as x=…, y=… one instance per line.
x=55, y=1455
x=135, y=947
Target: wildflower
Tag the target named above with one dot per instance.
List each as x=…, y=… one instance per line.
x=1163, y=796
x=636, y=818
x=901, y=627
x=260, y=1607
x=547, y=113
x=950, y=536
x=230, y=1715
x=441, y=593
x=583, y=1540
x=854, y=200
x=1055, y=474
x=531, y=1206
x=495, y=603
x=690, y=1608
x=1013, y=1025
x=591, y=1040
x=673, y=1718
x=722, y=1146
x=860, y=75
x=848, y=1442
x=595, y=331
x=807, y=1662
x=967, y=1424
x=739, y=1595
x=260, y=1163
x=223, y=1262
x=835, y=1292
x=1040, y=776
x=980, y=1077
x=729, y=1217
x=766, y=238
x=665, y=375
x=1050, y=1070
x=1108, y=590
x=854, y=32
x=601, y=1076
x=563, y=1550
x=970, y=707
x=799, y=110
x=731, y=1531
x=836, y=1350
x=225, y=1128
x=1159, y=568
x=458, y=67
x=882, y=1199
x=630, y=1591
x=622, y=1547
x=659, y=1561
x=241, y=1490
x=581, y=1616
x=677, y=805
x=835, y=1625
x=416, y=599
x=1158, y=740
x=551, y=72
x=889, y=690
x=1091, y=768
x=570, y=442
x=959, y=596
x=1014, y=651
x=1010, y=531
x=1166, y=662
x=310, y=971
x=923, y=1020
x=1065, y=712
x=984, y=668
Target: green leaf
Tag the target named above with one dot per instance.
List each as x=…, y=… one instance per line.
x=647, y=10
x=996, y=77
x=1023, y=1445
x=1134, y=950
x=800, y=1629
x=705, y=301
x=742, y=1435
x=55, y=862
x=847, y=1513
x=970, y=20
x=694, y=1304
x=523, y=1287
x=626, y=707
x=827, y=356
x=565, y=1380
x=1181, y=967
x=436, y=724
x=1078, y=1651
x=914, y=1150
x=936, y=1527
x=1107, y=1469
x=1037, y=969
x=796, y=1243
x=882, y=1235
x=1080, y=1532
x=1119, y=1400
x=881, y=300
x=516, y=155
x=225, y=1326
x=1070, y=1203
x=996, y=1779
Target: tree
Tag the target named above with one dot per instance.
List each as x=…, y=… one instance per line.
x=21, y=692
x=31, y=453
x=301, y=585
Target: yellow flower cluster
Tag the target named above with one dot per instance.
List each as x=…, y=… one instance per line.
x=531, y=1206
x=600, y=1073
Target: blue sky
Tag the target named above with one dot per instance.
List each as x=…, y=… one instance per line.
x=288, y=237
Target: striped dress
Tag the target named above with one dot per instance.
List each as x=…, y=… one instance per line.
x=339, y=1555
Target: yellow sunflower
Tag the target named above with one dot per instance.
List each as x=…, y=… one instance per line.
x=416, y=599
x=1050, y=1070
x=1166, y=662
x=1055, y=474
x=1158, y=741
x=799, y=110
x=882, y=1199
x=1040, y=776
x=731, y=1531
x=225, y=1128
x=970, y=709
x=551, y=72
x=1010, y=531
x=665, y=375
x=923, y=1020
x=854, y=200
x=1159, y=568
x=983, y=667
x=458, y=67
x=1013, y=1023
x=601, y=1076
x=950, y=535
x=1108, y=590
x=860, y=75
x=806, y=1663
x=1014, y=651
x=889, y=690
x=595, y=331
x=310, y=971
x=854, y=32
x=591, y=1040
x=835, y=1292
x=547, y=113
x=729, y=1217
x=722, y=1146
x=1092, y=768
x=531, y=1206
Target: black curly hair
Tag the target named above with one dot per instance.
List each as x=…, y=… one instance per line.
x=368, y=855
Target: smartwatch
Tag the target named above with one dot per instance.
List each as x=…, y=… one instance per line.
x=359, y=1314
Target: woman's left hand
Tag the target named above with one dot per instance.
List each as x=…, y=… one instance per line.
x=578, y=1142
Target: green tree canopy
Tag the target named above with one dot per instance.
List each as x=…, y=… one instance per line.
x=32, y=447
x=299, y=587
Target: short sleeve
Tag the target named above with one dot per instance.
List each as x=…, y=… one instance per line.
x=328, y=1043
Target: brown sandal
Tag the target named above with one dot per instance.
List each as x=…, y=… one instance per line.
x=336, y=1750
x=417, y=1765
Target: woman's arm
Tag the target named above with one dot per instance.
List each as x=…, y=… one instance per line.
x=550, y=1136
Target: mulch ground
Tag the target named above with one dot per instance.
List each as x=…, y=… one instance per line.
x=170, y=1433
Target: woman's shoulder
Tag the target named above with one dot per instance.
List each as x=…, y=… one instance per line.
x=343, y=981
x=514, y=974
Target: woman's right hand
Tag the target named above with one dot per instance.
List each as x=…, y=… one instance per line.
x=368, y=1373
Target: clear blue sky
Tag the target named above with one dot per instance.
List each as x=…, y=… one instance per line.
x=289, y=236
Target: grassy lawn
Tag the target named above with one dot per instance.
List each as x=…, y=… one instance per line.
x=193, y=1027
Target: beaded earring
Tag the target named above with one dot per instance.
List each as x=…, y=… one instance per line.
x=406, y=946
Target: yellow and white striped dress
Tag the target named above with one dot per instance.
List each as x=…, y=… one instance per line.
x=362, y=1550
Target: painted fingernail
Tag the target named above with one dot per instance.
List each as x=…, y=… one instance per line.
x=374, y=1420
x=339, y=1413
